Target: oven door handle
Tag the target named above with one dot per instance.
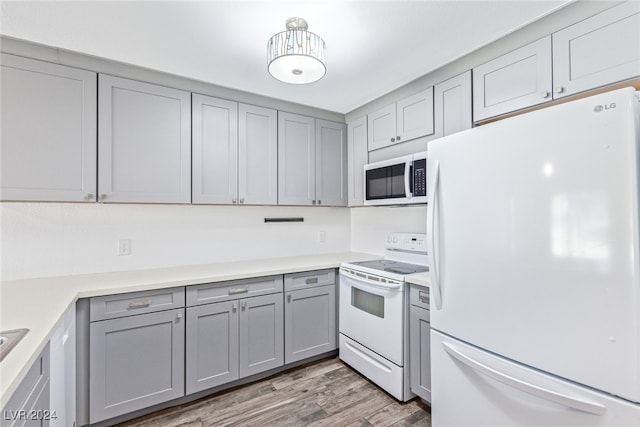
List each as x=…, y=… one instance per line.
x=390, y=284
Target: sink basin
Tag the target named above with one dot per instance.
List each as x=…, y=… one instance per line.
x=8, y=340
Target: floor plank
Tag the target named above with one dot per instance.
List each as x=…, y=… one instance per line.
x=323, y=393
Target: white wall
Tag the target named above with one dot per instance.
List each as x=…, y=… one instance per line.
x=53, y=239
x=370, y=225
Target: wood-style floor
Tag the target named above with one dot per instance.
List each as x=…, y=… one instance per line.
x=324, y=393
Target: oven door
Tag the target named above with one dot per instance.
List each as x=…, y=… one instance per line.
x=388, y=182
x=371, y=313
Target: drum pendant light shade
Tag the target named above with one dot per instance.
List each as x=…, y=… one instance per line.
x=296, y=56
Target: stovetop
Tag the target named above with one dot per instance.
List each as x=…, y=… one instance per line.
x=391, y=266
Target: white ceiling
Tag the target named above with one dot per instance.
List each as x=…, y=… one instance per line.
x=373, y=47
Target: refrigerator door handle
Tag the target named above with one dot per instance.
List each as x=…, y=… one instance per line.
x=431, y=229
x=541, y=392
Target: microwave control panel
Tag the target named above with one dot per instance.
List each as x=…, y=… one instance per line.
x=420, y=178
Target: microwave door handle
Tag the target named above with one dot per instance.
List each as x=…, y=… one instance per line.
x=411, y=179
x=406, y=179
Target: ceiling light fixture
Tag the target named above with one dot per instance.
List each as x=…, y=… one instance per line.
x=296, y=55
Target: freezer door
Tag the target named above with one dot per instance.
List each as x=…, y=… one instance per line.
x=474, y=388
x=534, y=227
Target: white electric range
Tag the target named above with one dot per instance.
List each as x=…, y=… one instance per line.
x=374, y=312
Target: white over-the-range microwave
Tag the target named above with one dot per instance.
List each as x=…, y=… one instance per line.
x=398, y=181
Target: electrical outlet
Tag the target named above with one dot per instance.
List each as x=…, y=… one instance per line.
x=322, y=236
x=124, y=247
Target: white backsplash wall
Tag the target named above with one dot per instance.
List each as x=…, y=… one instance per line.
x=53, y=239
x=370, y=225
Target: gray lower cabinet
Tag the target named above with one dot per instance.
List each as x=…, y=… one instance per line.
x=230, y=337
x=419, y=342
x=136, y=360
x=29, y=405
x=309, y=314
x=48, y=131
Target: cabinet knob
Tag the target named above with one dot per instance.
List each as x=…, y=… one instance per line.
x=393, y=140
x=244, y=305
x=234, y=307
x=289, y=298
x=103, y=196
x=313, y=202
x=544, y=94
x=234, y=201
x=559, y=89
x=179, y=316
x=241, y=200
x=319, y=202
x=398, y=138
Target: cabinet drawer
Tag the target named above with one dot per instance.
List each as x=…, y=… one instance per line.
x=224, y=291
x=30, y=388
x=309, y=279
x=419, y=296
x=113, y=306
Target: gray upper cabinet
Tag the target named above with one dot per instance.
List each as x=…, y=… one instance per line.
x=452, y=105
x=331, y=163
x=48, y=131
x=257, y=155
x=144, y=142
x=312, y=159
x=357, y=156
x=600, y=50
x=407, y=119
x=235, y=153
x=214, y=150
x=135, y=362
x=296, y=159
x=519, y=79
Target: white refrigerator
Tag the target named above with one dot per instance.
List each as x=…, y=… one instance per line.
x=533, y=229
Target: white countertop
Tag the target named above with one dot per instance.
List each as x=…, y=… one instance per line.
x=421, y=279
x=40, y=304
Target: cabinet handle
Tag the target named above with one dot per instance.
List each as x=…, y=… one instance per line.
x=179, y=316
x=559, y=89
x=234, y=201
x=234, y=307
x=424, y=297
x=544, y=94
x=289, y=298
x=398, y=138
x=393, y=140
x=244, y=305
x=90, y=196
x=241, y=200
x=313, y=202
x=319, y=202
x=311, y=280
x=103, y=196
x=234, y=291
x=139, y=304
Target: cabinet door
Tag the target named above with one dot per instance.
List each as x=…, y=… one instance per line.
x=452, y=105
x=135, y=362
x=144, y=142
x=212, y=345
x=258, y=155
x=519, y=79
x=331, y=163
x=296, y=159
x=215, y=150
x=48, y=131
x=381, y=127
x=600, y=50
x=420, y=352
x=309, y=322
x=414, y=116
x=261, y=334
x=357, y=157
